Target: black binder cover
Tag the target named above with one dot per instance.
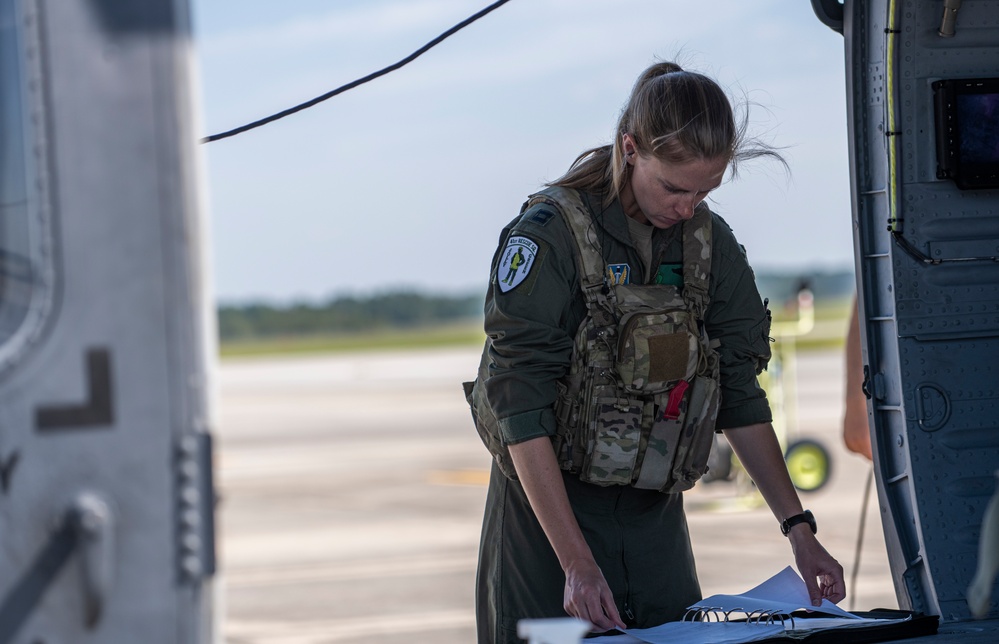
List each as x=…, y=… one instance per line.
x=917, y=626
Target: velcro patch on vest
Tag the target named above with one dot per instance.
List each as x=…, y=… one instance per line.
x=516, y=262
x=668, y=356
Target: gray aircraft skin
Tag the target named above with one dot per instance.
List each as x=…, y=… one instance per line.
x=923, y=116
x=107, y=330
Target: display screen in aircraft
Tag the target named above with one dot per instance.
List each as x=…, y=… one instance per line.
x=967, y=128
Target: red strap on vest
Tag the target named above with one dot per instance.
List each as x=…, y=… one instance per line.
x=672, y=411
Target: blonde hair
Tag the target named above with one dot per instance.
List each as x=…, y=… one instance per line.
x=675, y=115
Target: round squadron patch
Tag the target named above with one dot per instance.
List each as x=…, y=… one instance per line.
x=516, y=262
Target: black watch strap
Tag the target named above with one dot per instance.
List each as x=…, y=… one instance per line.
x=804, y=517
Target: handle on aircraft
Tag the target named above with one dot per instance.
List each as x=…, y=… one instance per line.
x=949, y=19
x=93, y=523
x=932, y=407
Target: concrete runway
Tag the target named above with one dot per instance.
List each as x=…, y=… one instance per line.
x=353, y=486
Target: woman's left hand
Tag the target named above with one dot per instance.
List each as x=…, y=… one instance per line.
x=823, y=575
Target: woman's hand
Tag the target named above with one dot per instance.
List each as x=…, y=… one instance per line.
x=587, y=596
x=822, y=574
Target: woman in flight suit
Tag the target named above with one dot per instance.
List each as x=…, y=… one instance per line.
x=619, y=556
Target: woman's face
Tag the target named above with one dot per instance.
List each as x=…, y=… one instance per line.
x=661, y=193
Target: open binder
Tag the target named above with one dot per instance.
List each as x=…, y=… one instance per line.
x=778, y=610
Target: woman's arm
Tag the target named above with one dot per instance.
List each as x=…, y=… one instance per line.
x=587, y=595
x=856, y=431
x=760, y=453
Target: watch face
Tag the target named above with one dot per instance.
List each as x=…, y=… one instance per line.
x=811, y=521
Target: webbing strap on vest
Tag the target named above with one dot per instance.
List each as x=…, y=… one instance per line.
x=589, y=258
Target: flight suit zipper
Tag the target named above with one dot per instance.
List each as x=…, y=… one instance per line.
x=627, y=614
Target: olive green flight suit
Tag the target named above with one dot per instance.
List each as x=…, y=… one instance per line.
x=638, y=537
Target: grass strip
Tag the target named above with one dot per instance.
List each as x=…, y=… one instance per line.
x=382, y=339
x=830, y=331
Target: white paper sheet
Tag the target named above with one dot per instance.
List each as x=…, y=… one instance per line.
x=785, y=593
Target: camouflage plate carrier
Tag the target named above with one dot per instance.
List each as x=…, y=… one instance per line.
x=639, y=404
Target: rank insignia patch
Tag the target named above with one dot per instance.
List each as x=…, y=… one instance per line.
x=516, y=262
x=618, y=274
x=542, y=217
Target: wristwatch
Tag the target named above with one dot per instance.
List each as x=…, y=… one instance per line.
x=804, y=517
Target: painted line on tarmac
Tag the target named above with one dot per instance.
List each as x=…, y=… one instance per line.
x=238, y=578
x=332, y=630
x=458, y=477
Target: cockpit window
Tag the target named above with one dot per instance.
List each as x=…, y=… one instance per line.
x=22, y=229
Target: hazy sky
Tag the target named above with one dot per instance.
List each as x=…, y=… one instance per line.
x=406, y=182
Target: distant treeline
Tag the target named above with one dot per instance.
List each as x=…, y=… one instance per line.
x=401, y=310
x=344, y=315
x=825, y=285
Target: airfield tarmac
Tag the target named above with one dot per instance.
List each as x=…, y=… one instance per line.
x=352, y=488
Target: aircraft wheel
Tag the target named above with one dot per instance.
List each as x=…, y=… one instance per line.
x=809, y=464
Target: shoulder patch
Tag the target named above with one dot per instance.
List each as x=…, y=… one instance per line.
x=541, y=217
x=516, y=262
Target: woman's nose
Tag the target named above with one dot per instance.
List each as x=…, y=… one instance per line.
x=686, y=206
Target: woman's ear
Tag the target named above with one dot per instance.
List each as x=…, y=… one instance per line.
x=628, y=145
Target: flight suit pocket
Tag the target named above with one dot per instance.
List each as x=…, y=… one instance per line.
x=488, y=428
x=760, y=350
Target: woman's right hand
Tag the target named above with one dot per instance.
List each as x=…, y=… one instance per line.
x=587, y=596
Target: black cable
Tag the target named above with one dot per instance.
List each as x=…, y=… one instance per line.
x=860, y=538
x=914, y=252
x=319, y=99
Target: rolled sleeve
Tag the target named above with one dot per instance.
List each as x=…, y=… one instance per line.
x=527, y=425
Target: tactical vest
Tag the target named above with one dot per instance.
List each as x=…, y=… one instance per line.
x=639, y=403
